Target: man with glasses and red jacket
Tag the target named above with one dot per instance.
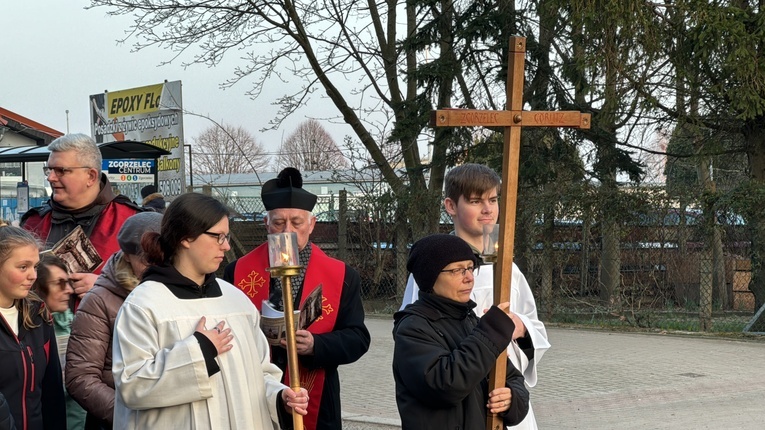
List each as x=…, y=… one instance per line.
x=82, y=195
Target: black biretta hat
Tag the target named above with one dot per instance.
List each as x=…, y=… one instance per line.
x=431, y=254
x=286, y=192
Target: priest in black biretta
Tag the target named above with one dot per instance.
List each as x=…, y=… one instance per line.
x=286, y=191
x=339, y=337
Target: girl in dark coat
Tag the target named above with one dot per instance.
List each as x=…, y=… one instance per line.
x=31, y=377
x=443, y=353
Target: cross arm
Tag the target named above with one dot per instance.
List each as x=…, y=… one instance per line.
x=508, y=118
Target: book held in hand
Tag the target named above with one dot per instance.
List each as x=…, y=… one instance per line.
x=272, y=320
x=77, y=252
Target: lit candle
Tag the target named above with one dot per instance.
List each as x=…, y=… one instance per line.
x=282, y=249
x=490, y=239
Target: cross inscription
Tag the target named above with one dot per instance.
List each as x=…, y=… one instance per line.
x=512, y=119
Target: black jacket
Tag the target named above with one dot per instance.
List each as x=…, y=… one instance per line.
x=441, y=360
x=31, y=378
x=6, y=420
x=154, y=202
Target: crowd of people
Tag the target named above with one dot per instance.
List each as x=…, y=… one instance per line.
x=152, y=338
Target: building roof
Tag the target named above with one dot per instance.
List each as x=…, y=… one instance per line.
x=109, y=150
x=22, y=125
x=310, y=177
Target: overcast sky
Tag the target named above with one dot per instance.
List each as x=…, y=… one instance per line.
x=57, y=54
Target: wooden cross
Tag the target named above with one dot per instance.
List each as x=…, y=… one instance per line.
x=513, y=119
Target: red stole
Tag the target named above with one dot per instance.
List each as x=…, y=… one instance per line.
x=251, y=276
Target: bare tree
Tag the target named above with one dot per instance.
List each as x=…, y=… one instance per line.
x=310, y=147
x=228, y=149
x=317, y=49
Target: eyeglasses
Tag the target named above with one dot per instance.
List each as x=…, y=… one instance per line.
x=62, y=283
x=61, y=171
x=460, y=271
x=221, y=237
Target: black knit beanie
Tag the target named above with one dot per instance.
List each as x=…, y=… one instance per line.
x=431, y=254
x=147, y=190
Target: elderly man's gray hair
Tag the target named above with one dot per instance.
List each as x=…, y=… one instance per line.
x=83, y=145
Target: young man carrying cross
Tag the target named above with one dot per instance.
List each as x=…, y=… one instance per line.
x=472, y=198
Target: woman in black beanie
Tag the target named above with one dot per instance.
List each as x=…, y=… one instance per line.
x=443, y=353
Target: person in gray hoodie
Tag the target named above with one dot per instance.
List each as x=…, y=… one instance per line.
x=88, y=369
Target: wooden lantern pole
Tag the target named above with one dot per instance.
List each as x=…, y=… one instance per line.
x=512, y=119
x=286, y=273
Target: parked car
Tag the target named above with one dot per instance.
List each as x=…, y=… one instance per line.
x=248, y=216
x=240, y=217
x=693, y=217
x=260, y=216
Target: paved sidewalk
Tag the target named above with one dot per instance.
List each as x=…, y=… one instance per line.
x=600, y=380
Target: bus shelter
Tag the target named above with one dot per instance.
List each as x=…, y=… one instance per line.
x=128, y=164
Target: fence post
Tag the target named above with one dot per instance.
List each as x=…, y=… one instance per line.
x=584, y=263
x=548, y=237
x=342, y=226
x=705, y=290
x=402, y=254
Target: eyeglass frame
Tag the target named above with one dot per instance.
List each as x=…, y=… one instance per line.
x=220, y=237
x=464, y=270
x=64, y=170
x=62, y=283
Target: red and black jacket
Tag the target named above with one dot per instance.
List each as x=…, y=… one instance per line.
x=101, y=221
x=31, y=378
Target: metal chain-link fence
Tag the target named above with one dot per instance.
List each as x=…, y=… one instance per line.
x=677, y=272
x=670, y=278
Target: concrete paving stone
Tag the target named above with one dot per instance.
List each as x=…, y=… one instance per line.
x=599, y=380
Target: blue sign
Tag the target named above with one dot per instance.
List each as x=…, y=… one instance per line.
x=129, y=167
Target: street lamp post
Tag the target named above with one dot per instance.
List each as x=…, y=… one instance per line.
x=191, y=166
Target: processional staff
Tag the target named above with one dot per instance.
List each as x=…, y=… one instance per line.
x=283, y=258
